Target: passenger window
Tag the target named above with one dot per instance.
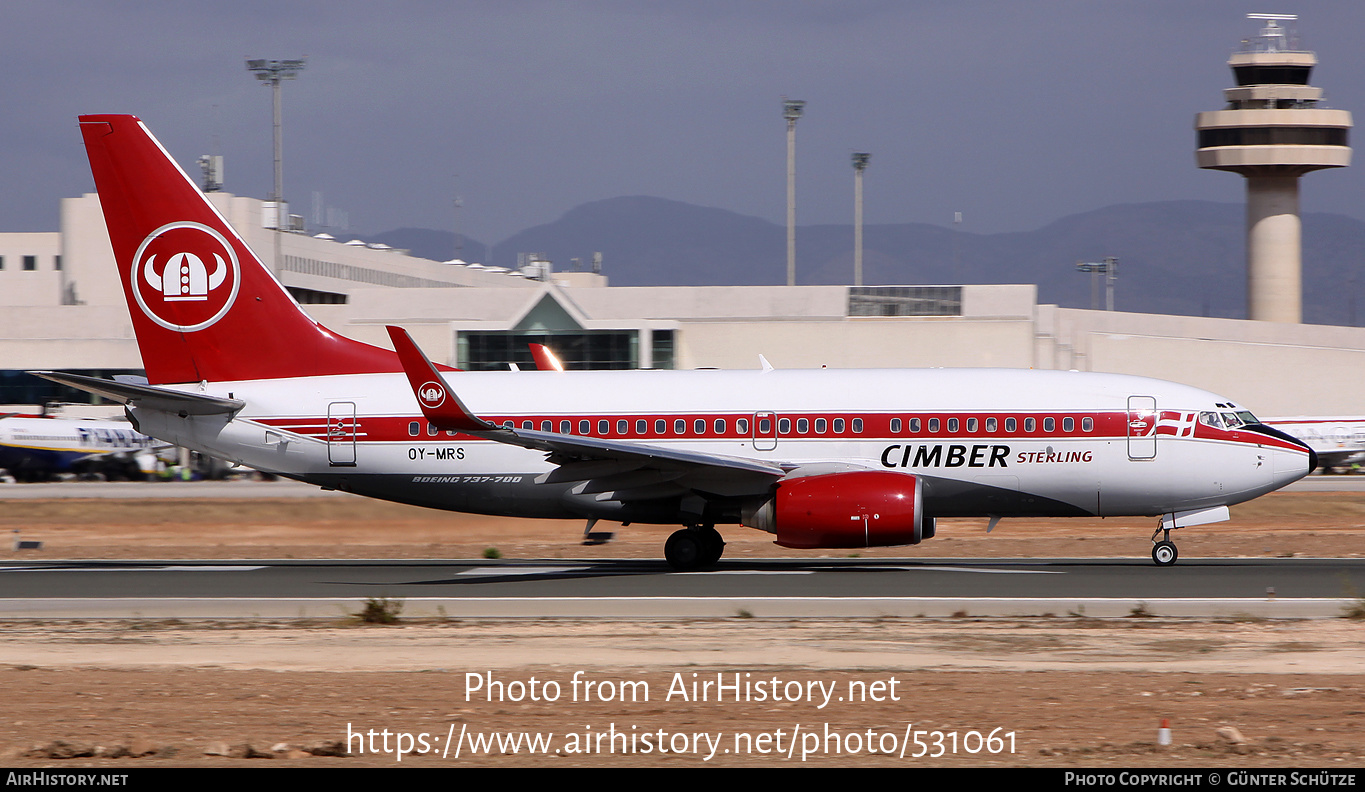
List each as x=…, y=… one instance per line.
x=858, y=425
x=1068, y=424
x=784, y=426
x=802, y=426
x=914, y=426
x=838, y=425
x=1049, y=424
x=584, y=427
x=432, y=431
x=660, y=426
x=603, y=427
x=952, y=425
x=414, y=429
x=565, y=427
x=1011, y=425
x=821, y=425
x=679, y=427
x=765, y=426
x=528, y=424
x=622, y=426
x=933, y=426
x=971, y=425
x=1030, y=424
x=699, y=426
x=641, y=426
x=742, y=425
x=507, y=425
x=719, y=426
x=991, y=424
x=1087, y=424
x=895, y=426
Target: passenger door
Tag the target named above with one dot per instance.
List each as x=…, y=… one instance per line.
x=1142, y=418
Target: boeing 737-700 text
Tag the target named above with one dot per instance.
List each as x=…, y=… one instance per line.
x=820, y=458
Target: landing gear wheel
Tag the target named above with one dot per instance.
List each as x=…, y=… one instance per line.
x=685, y=550
x=1164, y=553
x=713, y=544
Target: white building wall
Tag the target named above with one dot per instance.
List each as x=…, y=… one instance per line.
x=863, y=342
x=40, y=286
x=1272, y=368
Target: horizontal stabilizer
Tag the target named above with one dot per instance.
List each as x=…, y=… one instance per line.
x=148, y=397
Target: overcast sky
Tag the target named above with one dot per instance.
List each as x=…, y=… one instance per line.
x=1013, y=113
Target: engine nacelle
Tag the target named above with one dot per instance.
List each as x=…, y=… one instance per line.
x=865, y=508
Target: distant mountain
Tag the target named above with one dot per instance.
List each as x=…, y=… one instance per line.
x=1175, y=257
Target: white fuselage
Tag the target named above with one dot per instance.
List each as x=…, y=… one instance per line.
x=985, y=441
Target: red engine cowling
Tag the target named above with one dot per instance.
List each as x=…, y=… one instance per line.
x=865, y=508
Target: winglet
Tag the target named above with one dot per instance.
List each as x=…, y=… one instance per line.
x=545, y=359
x=439, y=403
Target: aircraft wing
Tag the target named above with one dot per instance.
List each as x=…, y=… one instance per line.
x=148, y=396
x=613, y=465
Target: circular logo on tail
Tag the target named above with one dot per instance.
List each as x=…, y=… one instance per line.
x=185, y=276
x=431, y=394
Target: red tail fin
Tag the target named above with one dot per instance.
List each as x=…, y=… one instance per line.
x=203, y=306
x=545, y=359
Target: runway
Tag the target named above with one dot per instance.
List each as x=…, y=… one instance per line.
x=1268, y=588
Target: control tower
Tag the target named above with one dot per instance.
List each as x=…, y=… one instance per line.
x=1272, y=132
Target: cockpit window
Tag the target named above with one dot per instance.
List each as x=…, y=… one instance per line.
x=1247, y=417
x=1211, y=419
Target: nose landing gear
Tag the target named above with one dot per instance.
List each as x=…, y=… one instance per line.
x=1164, y=553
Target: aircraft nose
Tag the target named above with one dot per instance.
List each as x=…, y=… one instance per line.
x=1290, y=464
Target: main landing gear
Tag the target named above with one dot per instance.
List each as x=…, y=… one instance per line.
x=1164, y=552
x=694, y=547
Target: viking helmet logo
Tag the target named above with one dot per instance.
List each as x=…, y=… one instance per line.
x=174, y=283
x=185, y=277
x=431, y=394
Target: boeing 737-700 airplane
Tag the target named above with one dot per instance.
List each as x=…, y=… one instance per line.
x=820, y=458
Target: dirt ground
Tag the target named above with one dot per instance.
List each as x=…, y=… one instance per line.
x=966, y=692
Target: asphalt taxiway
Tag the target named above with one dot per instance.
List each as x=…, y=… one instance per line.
x=626, y=588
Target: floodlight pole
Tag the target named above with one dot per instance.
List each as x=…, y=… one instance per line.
x=274, y=72
x=1110, y=268
x=791, y=110
x=859, y=165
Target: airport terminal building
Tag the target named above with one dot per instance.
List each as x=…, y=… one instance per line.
x=64, y=309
